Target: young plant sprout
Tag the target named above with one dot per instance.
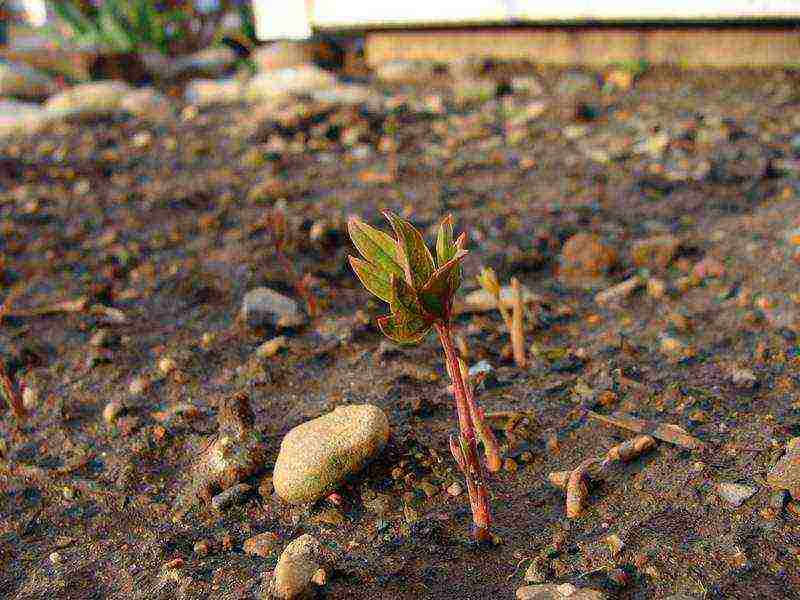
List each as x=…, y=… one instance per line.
x=489, y=282
x=420, y=290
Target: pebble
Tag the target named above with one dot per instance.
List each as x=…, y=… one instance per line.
x=202, y=548
x=316, y=456
x=207, y=92
x=138, y=386
x=303, y=79
x=585, y=257
x=263, y=306
x=655, y=252
x=30, y=397
x=735, y=494
x=553, y=591
x=265, y=488
x=785, y=475
x=112, y=410
x=166, y=365
x=55, y=558
x=262, y=545
x=296, y=567
x=271, y=347
x=455, y=489
x=91, y=99
x=656, y=288
x=743, y=378
x=233, y=495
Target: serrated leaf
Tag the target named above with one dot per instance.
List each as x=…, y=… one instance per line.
x=419, y=265
x=373, y=278
x=403, y=331
x=437, y=294
x=376, y=247
x=445, y=249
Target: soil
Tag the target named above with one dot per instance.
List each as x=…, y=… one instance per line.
x=168, y=228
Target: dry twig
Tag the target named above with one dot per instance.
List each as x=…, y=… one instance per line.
x=576, y=482
x=672, y=434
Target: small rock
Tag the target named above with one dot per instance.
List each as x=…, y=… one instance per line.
x=167, y=365
x=283, y=54
x=55, y=558
x=237, y=453
x=735, y=493
x=233, y=495
x=655, y=252
x=214, y=62
x=455, y=489
x=785, y=475
x=743, y=378
x=263, y=306
x=271, y=347
x=656, y=288
x=202, y=548
x=586, y=258
x=304, y=79
x=296, y=567
x=620, y=79
x=262, y=545
x=112, y=410
x=21, y=81
x=316, y=456
x=206, y=92
x=90, y=100
x=552, y=591
x=346, y=94
x=30, y=397
x=138, y=386
x=148, y=104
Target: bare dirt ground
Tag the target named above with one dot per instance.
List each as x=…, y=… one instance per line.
x=166, y=225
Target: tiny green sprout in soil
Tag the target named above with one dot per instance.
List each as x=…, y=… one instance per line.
x=419, y=288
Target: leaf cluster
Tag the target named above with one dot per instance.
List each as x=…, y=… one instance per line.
x=403, y=272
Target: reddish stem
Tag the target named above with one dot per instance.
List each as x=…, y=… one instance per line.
x=467, y=448
x=11, y=393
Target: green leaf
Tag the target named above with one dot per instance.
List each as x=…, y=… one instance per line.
x=405, y=302
x=403, y=331
x=373, y=278
x=437, y=294
x=445, y=249
x=419, y=264
x=375, y=246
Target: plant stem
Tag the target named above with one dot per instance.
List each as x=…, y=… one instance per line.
x=490, y=447
x=467, y=449
x=515, y=330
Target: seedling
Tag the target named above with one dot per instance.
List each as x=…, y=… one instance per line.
x=276, y=225
x=489, y=282
x=420, y=290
